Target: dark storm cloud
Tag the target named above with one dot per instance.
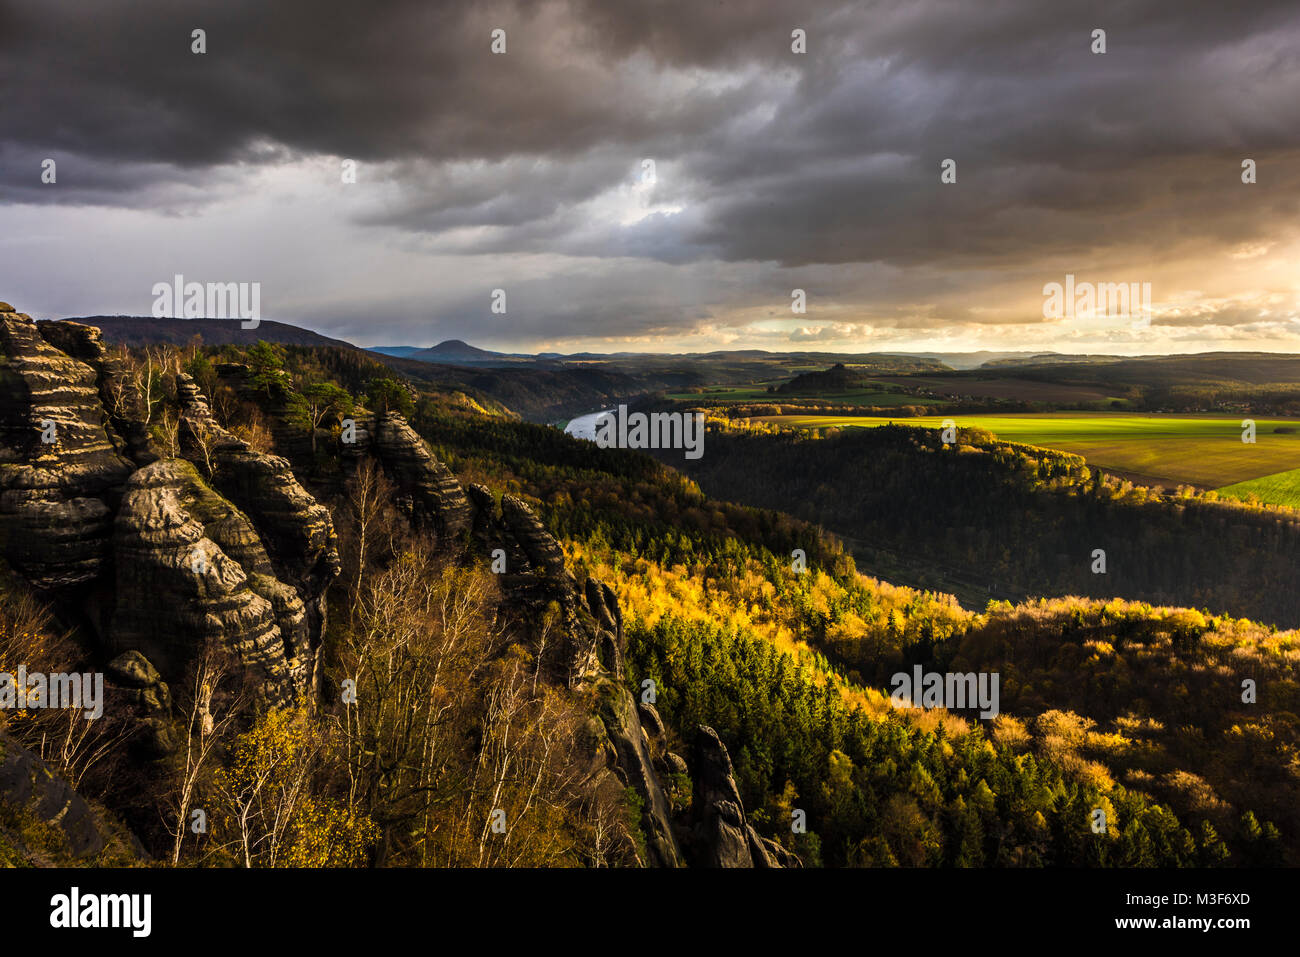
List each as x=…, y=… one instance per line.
x=1052, y=142
x=830, y=157
x=117, y=82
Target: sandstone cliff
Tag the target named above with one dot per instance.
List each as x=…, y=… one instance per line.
x=191, y=570
x=60, y=474
x=162, y=559
x=587, y=655
x=86, y=344
x=429, y=493
x=723, y=836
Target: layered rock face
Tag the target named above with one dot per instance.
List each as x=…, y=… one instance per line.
x=241, y=559
x=539, y=550
x=86, y=344
x=59, y=471
x=191, y=570
x=588, y=655
x=722, y=834
x=432, y=495
x=297, y=531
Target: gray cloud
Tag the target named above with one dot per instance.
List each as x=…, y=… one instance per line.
x=774, y=169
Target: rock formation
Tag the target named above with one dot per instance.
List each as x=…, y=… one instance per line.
x=86, y=343
x=60, y=473
x=722, y=835
x=191, y=571
x=588, y=655
x=296, y=530
x=137, y=693
x=34, y=795
x=163, y=560
x=430, y=493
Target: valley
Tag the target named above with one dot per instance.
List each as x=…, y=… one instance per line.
x=350, y=496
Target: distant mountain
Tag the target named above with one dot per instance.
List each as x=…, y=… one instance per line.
x=145, y=330
x=458, y=352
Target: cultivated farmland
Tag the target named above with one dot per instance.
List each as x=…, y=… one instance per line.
x=1283, y=488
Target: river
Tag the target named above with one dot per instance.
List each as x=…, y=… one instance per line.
x=584, y=426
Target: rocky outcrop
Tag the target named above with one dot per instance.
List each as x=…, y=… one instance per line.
x=60, y=472
x=722, y=836
x=633, y=764
x=720, y=831
x=429, y=492
x=191, y=570
x=137, y=693
x=86, y=344
x=609, y=623
x=535, y=578
x=588, y=655
x=588, y=651
x=179, y=564
x=33, y=795
x=296, y=530
x=539, y=547
x=585, y=647
x=650, y=720
x=674, y=764
x=483, y=504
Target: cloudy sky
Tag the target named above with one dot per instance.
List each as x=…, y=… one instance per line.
x=771, y=170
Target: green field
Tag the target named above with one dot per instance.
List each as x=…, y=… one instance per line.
x=1280, y=489
x=1205, y=451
